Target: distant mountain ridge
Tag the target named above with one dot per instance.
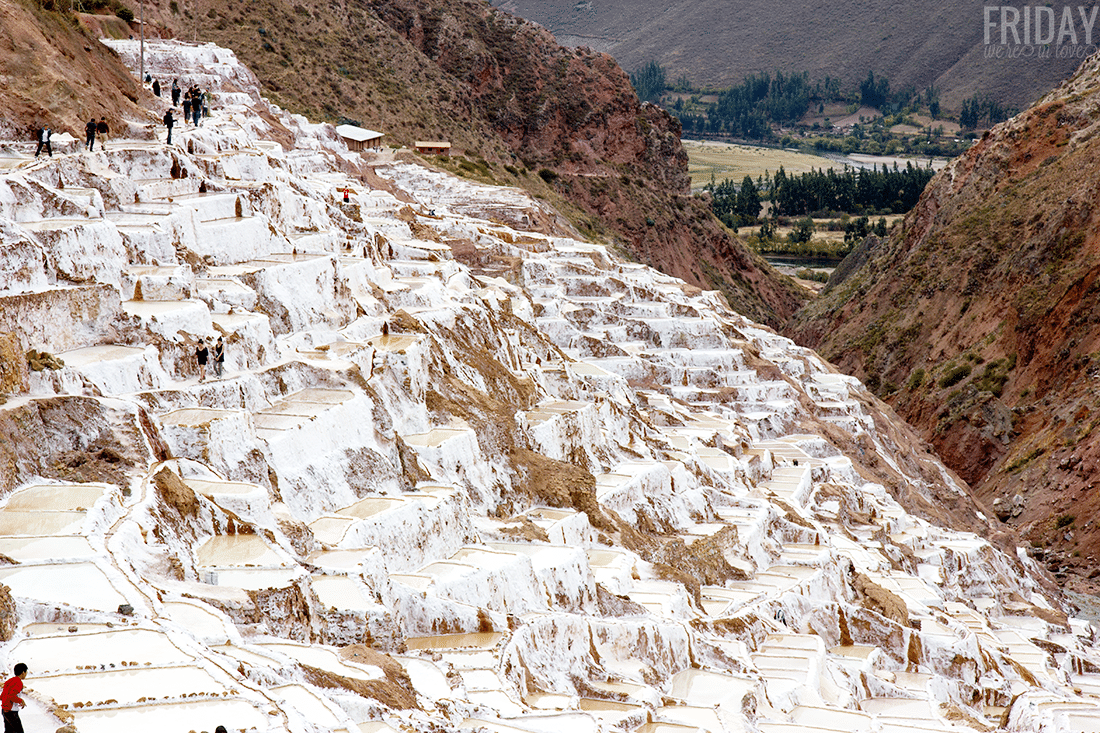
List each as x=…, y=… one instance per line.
x=715, y=43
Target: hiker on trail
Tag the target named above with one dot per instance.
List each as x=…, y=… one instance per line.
x=175, y=92
x=196, y=106
x=156, y=87
x=187, y=106
x=101, y=131
x=347, y=195
x=202, y=354
x=11, y=703
x=44, y=139
x=169, y=121
x=219, y=357
x=89, y=132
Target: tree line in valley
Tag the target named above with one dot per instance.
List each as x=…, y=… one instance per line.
x=820, y=192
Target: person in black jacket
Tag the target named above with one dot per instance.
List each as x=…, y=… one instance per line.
x=156, y=87
x=44, y=139
x=169, y=121
x=101, y=131
x=202, y=355
x=89, y=132
x=175, y=92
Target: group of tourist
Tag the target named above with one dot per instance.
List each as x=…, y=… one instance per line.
x=203, y=356
x=195, y=102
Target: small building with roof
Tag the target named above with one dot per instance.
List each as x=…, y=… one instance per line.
x=432, y=148
x=359, y=138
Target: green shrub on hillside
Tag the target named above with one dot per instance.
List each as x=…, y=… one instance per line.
x=916, y=380
x=953, y=374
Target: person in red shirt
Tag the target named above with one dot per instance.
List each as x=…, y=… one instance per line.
x=10, y=702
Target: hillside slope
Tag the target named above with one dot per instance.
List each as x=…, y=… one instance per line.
x=501, y=89
x=917, y=44
x=56, y=73
x=979, y=320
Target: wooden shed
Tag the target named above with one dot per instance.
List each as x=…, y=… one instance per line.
x=430, y=148
x=359, y=138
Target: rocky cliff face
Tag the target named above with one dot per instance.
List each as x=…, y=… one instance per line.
x=979, y=320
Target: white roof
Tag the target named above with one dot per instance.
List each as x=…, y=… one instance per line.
x=359, y=134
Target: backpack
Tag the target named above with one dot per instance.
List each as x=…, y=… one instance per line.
x=168, y=118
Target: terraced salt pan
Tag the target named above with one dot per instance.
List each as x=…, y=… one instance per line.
x=67, y=651
x=56, y=497
x=485, y=640
x=201, y=715
x=343, y=593
x=214, y=489
x=311, y=707
x=342, y=561
x=17, y=524
x=80, y=584
x=242, y=550
x=200, y=621
x=702, y=688
x=666, y=728
x=247, y=655
x=702, y=718
x=833, y=718
x=129, y=684
x=170, y=318
x=428, y=680
x=30, y=549
x=327, y=530
x=194, y=417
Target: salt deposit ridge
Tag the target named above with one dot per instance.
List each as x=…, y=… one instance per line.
x=463, y=472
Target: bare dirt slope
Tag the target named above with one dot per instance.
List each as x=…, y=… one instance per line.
x=979, y=321
x=56, y=73
x=715, y=43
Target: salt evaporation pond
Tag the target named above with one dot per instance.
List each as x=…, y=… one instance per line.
x=311, y=707
x=19, y=524
x=56, y=497
x=701, y=688
x=195, y=716
x=46, y=548
x=247, y=550
x=46, y=653
x=199, y=621
x=341, y=592
x=128, y=684
x=80, y=584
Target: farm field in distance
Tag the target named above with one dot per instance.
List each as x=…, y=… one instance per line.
x=720, y=160
x=734, y=161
